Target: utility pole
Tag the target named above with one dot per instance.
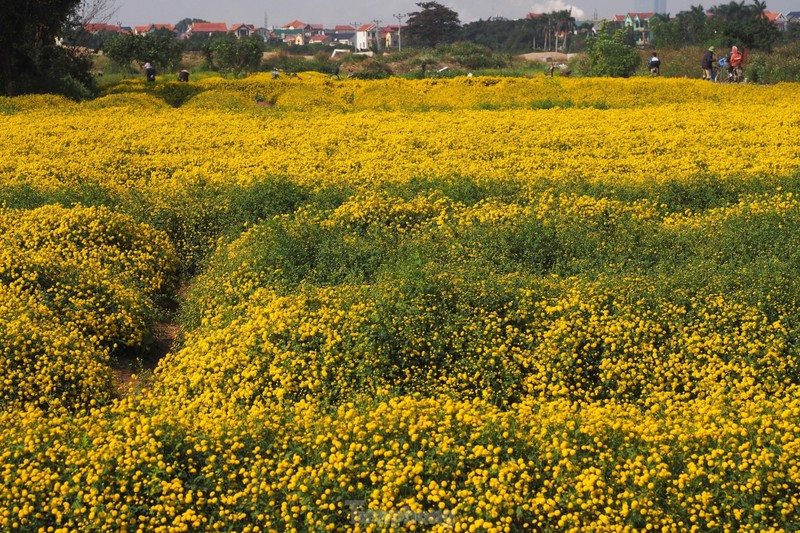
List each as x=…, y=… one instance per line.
x=355, y=26
x=400, y=17
x=377, y=34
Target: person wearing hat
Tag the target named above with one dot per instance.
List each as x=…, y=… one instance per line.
x=149, y=72
x=707, y=64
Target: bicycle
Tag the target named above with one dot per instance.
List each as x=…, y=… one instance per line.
x=736, y=74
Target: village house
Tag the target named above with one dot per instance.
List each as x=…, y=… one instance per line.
x=207, y=28
x=295, y=33
x=242, y=30
x=640, y=23
x=390, y=35
x=778, y=19
x=361, y=39
x=366, y=36
x=320, y=39
x=344, y=34
x=95, y=27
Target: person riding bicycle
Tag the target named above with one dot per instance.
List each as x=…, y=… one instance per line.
x=654, y=64
x=735, y=69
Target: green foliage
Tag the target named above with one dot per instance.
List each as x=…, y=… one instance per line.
x=500, y=35
x=743, y=25
x=231, y=55
x=686, y=28
x=123, y=50
x=201, y=212
x=159, y=48
x=473, y=56
x=176, y=93
x=543, y=30
x=433, y=25
x=58, y=70
x=782, y=65
x=371, y=69
x=613, y=53
x=729, y=24
x=294, y=63
x=27, y=32
x=431, y=278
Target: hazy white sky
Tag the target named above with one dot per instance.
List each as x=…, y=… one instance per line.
x=331, y=12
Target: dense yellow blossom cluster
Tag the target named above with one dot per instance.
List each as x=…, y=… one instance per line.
x=476, y=304
x=77, y=281
x=648, y=133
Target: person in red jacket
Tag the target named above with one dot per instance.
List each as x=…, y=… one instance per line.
x=735, y=62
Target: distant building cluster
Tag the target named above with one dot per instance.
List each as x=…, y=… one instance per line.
x=367, y=36
x=360, y=38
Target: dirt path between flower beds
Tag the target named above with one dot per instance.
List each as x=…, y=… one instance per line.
x=133, y=370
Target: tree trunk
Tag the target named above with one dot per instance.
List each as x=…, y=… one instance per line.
x=7, y=70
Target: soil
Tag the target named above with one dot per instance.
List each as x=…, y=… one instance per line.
x=132, y=369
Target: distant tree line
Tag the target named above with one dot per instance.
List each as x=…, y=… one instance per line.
x=723, y=25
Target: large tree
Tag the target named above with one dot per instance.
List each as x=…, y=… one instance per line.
x=233, y=56
x=734, y=23
x=160, y=48
x=686, y=28
x=612, y=52
x=27, y=29
x=747, y=26
x=501, y=35
x=433, y=24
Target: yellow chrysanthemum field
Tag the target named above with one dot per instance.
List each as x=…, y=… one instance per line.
x=475, y=304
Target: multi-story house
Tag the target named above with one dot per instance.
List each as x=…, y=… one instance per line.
x=366, y=36
x=242, y=30
x=640, y=23
x=296, y=33
x=344, y=34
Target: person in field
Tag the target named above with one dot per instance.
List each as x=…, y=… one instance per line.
x=735, y=68
x=149, y=72
x=707, y=64
x=654, y=64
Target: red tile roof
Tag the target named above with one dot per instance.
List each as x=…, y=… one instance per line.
x=295, y=24
x=94, y=27
x=771, y=16
x=154, y=27
x=209, y=27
